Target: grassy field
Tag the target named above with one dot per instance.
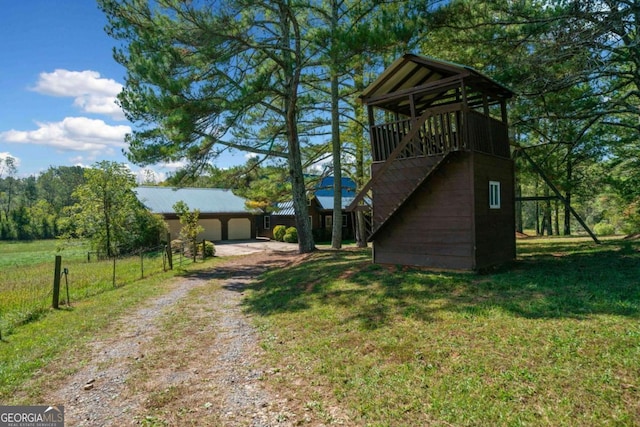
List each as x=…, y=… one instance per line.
x=26, y=288
x=552, y=340
x=22, y=254
x=42, y=334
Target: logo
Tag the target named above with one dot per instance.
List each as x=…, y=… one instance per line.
x=32, y=416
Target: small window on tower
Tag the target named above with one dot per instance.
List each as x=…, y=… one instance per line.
x=494, y=195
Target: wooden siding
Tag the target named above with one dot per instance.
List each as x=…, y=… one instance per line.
x=448, y=224
x=434, y=228
x=495, y=228
x=317, y=222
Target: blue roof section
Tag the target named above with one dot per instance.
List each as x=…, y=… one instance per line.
x=160, y=200
x=325, y=187
x=324, y=195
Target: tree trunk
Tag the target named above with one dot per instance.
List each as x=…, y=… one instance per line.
x=519, y=226
x=567, y=197
x=292, y=69
x=556, y=217
x=359, y=141
x=547, y=213
x=538, y=229
x=336, y=232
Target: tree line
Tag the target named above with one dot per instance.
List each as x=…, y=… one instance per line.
x=280, y=79
x=95, y=203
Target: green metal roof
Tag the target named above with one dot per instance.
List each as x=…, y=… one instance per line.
x=160, y=200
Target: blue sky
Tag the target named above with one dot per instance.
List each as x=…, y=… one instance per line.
x=58, y=82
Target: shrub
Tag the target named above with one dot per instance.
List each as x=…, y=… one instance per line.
x=604, y=229
x=291, y=235
x=278, y=232
x=209, y=249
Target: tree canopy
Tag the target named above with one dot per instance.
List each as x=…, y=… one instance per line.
x=280, y=79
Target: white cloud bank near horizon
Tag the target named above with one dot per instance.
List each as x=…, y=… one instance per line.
x=73, y=134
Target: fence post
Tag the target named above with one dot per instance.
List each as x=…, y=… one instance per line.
x=66, y=282
x=114, y=271
x=141, y=264
x=203, y=246
x=56, y=281
x=169, y=251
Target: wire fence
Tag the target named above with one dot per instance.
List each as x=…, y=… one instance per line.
x=26, y=292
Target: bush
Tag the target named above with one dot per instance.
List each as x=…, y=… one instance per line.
x=209, y=249
x=291, y=235
x=278, y=232
x=604, y=229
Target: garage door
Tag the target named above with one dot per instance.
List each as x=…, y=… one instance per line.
x=212, y=229
x=239, y=228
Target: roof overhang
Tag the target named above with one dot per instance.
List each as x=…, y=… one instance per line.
x=426, y=80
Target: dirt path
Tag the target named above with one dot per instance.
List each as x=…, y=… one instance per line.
x=190, y=357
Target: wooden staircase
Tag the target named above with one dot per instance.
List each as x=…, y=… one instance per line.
x=398, y=192
x=398, y=177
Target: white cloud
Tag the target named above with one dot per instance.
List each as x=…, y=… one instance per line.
x=5, y=154
x=173, y=165
x=73, y=134
x=92, y=93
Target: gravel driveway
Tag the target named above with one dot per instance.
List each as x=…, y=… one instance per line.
x=207, y=371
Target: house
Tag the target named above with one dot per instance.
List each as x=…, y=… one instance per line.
x=320, y=205
x=223, y=215
x=442, y=178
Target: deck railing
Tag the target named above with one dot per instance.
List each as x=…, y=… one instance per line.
x=442, y=132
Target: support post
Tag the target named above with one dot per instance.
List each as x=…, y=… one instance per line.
x=169, y=251
x=56, y=282
x=66, y=282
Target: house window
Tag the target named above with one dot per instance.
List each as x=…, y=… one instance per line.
x=344, y=220
x=267, y=222
x=494, y=194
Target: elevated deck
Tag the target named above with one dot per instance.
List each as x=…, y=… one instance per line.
x=449, y=128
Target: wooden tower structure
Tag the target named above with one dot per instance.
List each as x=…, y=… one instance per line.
x=441, y=192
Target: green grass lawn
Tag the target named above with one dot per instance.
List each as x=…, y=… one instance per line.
x=553, y=339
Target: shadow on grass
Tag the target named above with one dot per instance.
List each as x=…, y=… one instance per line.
x=549, y=280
